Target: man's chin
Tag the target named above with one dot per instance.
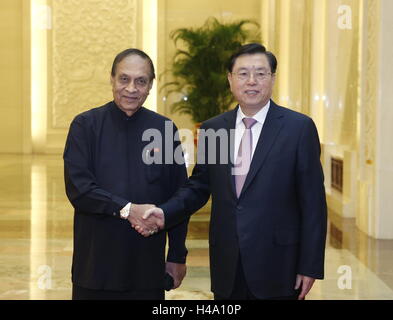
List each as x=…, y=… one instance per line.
x=129, y=109
x=253, y=104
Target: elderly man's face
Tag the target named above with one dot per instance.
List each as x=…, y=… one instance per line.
x=131, y=84
x=251, y=81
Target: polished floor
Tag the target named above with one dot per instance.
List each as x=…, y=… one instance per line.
x=36, y=243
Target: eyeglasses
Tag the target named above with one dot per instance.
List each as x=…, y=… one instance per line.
x=245, y=75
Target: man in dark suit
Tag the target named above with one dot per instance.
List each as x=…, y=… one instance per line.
x=268, y=221
x=106, y=174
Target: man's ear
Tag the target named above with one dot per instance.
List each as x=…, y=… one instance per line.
x=151, y=84
x=229, y=76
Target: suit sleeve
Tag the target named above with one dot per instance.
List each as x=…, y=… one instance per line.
x=193, y=195
x=80, y=183
x=312, y=199
x=177, y=251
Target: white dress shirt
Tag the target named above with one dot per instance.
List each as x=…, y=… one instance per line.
x=256, y=129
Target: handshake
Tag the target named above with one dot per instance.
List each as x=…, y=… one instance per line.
x=146, y=219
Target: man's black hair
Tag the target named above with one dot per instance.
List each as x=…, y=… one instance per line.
x=253, y=48
x=129, y=52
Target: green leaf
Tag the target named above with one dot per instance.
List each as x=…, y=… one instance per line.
x=199, y=65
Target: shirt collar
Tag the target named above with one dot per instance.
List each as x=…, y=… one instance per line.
x=121, y=115
x=260, y=116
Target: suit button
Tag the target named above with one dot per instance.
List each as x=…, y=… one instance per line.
x=114, y=214
x=239, y=208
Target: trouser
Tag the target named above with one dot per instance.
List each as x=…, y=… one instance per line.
x=242, y=292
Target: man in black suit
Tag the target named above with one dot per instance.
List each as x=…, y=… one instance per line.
x=106, y=174
x=268, y=221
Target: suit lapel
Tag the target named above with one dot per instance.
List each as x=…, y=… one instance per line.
x=230, y=124
x=270, y=130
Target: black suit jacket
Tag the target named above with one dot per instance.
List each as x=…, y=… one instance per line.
x=278, y=223
x=104, y=170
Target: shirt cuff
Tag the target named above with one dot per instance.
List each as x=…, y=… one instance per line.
x=125, y=212
x=118, y=204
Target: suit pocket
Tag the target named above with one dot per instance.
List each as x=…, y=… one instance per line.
x=286, y=236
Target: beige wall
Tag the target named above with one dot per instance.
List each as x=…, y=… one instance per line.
x=82, y=43
x=286, y=30
x=334, y=65
x=11, y=76
x=375, y=202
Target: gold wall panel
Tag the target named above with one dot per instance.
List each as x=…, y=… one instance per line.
x=11, y=75
x=341, y=76
x=85, y=38
x=367, y=136
x=371, y=78
x=286, y=29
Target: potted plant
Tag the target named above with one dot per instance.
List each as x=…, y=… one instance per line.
x=199, y=66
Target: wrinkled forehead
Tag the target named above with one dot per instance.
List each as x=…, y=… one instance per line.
x=257, y=61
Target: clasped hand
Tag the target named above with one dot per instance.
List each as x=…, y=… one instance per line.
x=147, y=219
